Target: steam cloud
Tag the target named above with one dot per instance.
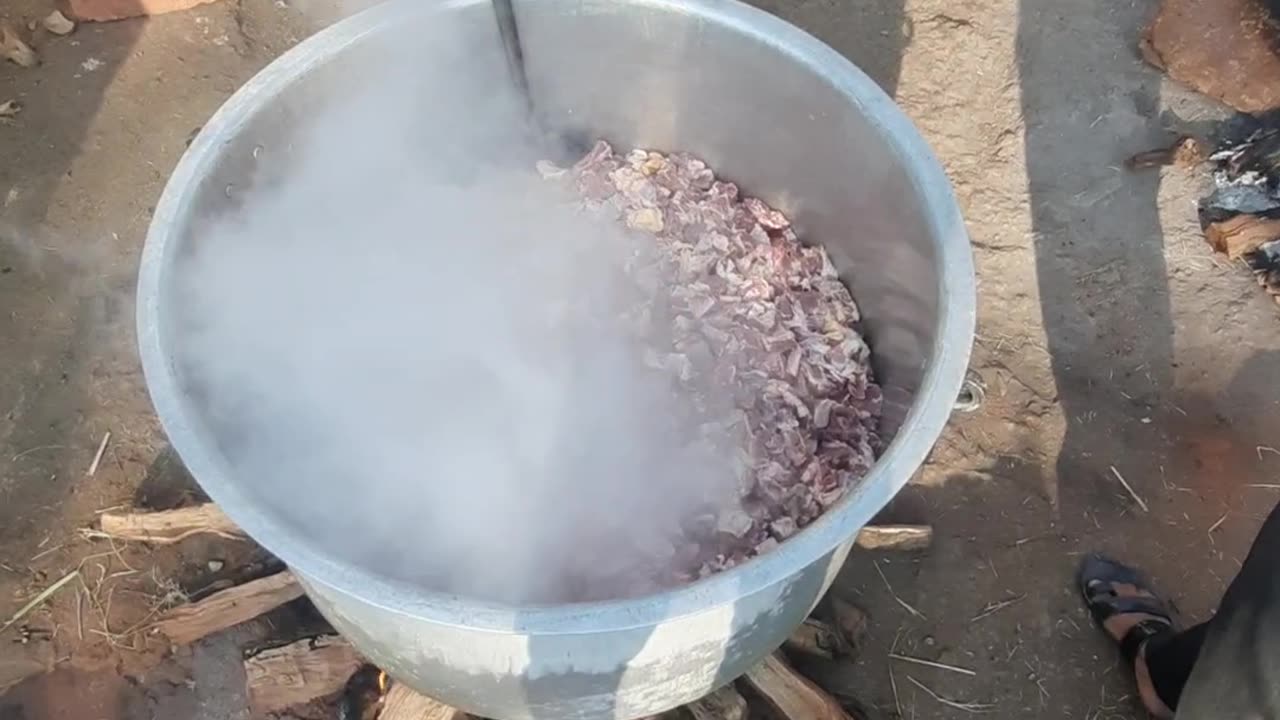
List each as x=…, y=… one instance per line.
x=376, y=331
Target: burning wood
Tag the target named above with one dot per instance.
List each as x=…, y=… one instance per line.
x=169, y=526
x=299, y=672
x=228, y=608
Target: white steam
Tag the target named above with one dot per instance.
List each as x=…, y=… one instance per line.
x=388, y=332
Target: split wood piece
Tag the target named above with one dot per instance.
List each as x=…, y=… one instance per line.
x=169, y=526
x=837, y=678
x=795, y=697
x=723, y=704
x=299, y=672
x=1242, y=234
x=221, y=610
x=815, y=637
x=402, y=703
x=895, y=537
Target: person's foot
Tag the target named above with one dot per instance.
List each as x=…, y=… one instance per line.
x=1131, y=614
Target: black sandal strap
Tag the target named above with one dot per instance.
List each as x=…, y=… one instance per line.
x=1103, y=605
x=1132, y=641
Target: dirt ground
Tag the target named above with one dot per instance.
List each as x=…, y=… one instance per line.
x=1108, y=337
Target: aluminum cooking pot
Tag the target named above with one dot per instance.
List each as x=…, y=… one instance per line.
x=767, y=106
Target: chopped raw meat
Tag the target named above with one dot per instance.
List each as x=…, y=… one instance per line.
x=758, y=314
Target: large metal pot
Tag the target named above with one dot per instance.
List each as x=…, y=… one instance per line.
x=766, y=105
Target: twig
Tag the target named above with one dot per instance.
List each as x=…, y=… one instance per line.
x=97, y=457
x=1264, y=448
x=901, y=602
x=116, y=551
x=892, y=682
x=966, y=707
x=42, y=553
x=997, y=607
x=1100, y=269
x=44, y=595
x=932, y=664
x=79, y=615
x=1218, y=524
x=1141, y=503
x=37, y=448
x=95, y=605
x=1265, y=486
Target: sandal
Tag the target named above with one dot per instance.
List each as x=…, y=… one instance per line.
x=1097, y=577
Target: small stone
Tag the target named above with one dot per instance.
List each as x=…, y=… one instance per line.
x=10, y=108
x=57, y=23
x=929, y=641
x=215, y=565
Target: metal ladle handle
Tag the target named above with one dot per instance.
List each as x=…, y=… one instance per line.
x=509, y=33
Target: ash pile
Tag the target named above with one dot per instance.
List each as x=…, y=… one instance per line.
x=1241, y=217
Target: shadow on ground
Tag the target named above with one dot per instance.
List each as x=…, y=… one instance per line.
x=44, y=281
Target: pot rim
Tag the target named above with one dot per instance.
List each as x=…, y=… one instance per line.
x=907, y=451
